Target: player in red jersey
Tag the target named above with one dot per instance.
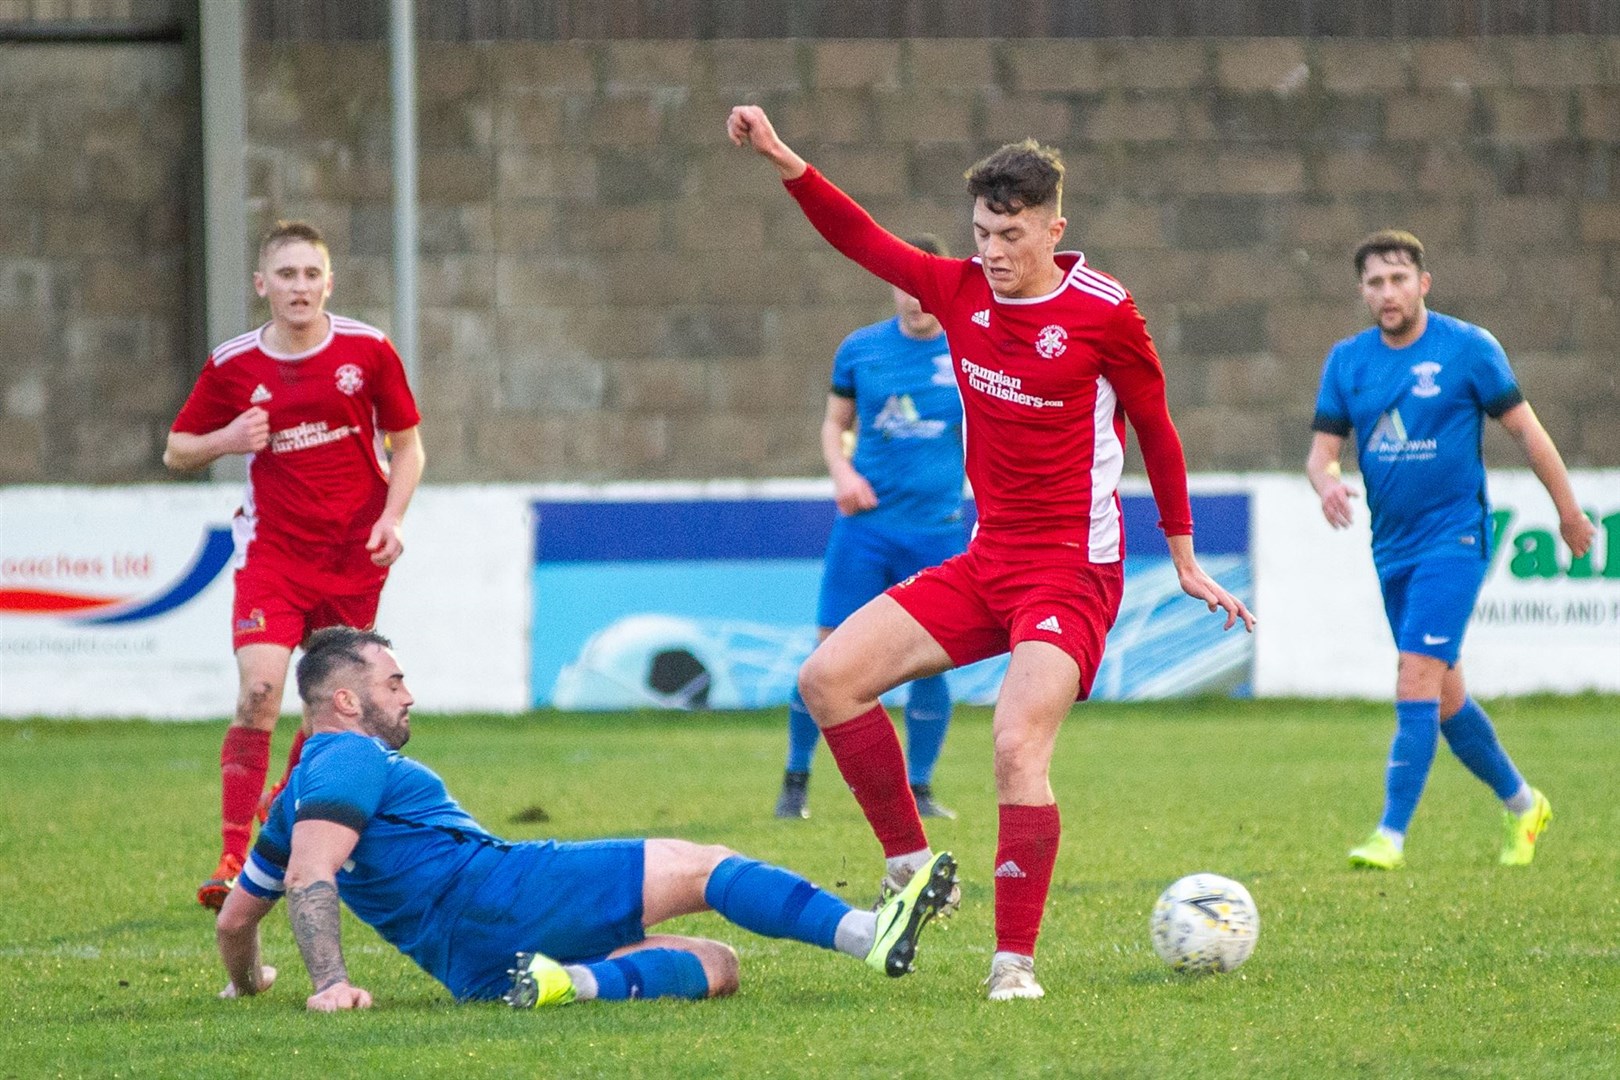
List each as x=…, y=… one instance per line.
x=309, y=398
x=1052, y=358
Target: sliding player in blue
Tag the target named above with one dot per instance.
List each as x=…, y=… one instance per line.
x=1416, y=387
x=532, y=923
x=899, y=511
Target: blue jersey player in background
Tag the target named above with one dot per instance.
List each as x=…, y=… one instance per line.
x=532, y=922
x=899, y=510
x=1416, y=388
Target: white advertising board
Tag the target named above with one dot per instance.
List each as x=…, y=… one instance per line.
x=1544, y=622
x=116, y=601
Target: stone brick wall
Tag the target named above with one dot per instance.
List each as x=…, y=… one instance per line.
x=611, y=291
x=94, y=324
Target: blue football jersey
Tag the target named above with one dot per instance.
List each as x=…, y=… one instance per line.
x=1418, y=415
x=426, y=876
x=909, y=440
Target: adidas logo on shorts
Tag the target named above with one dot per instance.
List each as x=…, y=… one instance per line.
x=1050, y=625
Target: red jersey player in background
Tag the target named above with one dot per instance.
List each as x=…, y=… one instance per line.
x=309, y=398
x=1052, y=358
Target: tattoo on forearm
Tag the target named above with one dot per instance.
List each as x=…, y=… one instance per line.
x=313, y=911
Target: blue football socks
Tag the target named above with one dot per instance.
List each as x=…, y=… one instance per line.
x=1472, y=738
x=773, y=902
x=803, y=735
x=928, y=715
x=1417, y=734
x=648, y=973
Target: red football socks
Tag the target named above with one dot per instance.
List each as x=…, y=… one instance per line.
x=1026, y=851
x=868, y=754
x=244, y=761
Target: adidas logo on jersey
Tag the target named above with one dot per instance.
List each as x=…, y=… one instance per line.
x=982, y=318
x=260, y=395
x=1010, y=869
x=1050, y=625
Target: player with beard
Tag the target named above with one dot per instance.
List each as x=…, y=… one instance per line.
x=1051, y=357
x=533, y=922
x=1417, y=386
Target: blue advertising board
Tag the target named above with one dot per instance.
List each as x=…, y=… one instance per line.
x=710, y=603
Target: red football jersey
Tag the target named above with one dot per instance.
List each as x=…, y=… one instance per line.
x=324, y=476
x=1047, y=384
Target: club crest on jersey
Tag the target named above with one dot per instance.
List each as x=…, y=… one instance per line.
x=350, y=379
x=1052, y=342
x=1425, y=372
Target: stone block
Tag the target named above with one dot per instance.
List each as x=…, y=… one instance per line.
x=933, y=117
x=1460, y=64
x=1275, y=65
x=155, y=284
x=717, y=444
x=463, y=124
x=1527, y=114
x=1509, y=225
x=828, y=117
x=1221, y=437
x=533, y=119
x=1599, y=112
x=847, y=64
x=619, y=228
x=1114, y=223
x=1133, y=118
x=571, y=177
x=707, y=226
x=1362, y=65
x=1057, y=65
x=1153, y=63
x=1558, y=62
x=745, y=70
x=630, y=121
x=866, y=172
x=26, y=393
x=709, y=331
x=22, y=452
x=454, y=72
x=455, y=229
x=1262, y=379
x=667, y=386
x=551, y=384
x=447, y=176
x=1240, y=328
x=1430, y=116
x=1357, y=172
x=1207, y=222
x=458, y=281
x=628, y=178
x=1458, y=171
x=1240, y=171
x=951, y=64
x=1047, y=118
x=543, y=67
x=1156, y=277
x=1308, y=328
x=1600, y=222
x=638, y=67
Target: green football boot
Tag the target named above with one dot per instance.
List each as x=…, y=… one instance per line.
x=1377, y=852
x=902, y=919
x=538, y=981
x=1521, y=831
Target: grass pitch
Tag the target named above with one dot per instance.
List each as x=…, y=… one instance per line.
x=1452, y=967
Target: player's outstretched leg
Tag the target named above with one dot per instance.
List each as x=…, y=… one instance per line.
x=1411, y=754
x=901, y=920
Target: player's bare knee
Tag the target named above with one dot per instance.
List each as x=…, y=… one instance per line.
x=720, y=967
x=259, y=704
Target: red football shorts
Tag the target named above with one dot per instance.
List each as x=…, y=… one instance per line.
x=287, y=589
x=978, y=606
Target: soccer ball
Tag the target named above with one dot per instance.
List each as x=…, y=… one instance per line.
x=1205, y=923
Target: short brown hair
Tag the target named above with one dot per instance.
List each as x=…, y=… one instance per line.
x=330, y=650
x=1018, y=176
x=1389, y=242
x=930, y=243
x=290, y=232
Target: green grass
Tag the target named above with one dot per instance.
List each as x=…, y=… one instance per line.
x=1453, y=967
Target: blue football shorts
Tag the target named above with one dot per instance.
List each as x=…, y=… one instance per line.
x=865, y=557
x=1429, y=603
